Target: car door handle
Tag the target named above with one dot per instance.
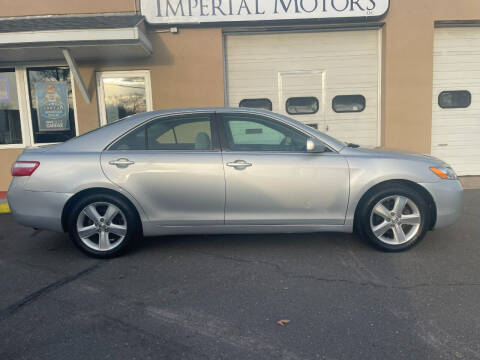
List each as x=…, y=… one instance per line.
x=121, y=163
x=239, y=164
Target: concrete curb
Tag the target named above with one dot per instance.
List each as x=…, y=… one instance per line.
x=4, y=208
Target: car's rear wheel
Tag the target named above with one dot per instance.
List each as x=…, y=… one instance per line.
x=394, y=217
x=103, y=225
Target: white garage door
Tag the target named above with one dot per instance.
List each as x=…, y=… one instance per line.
x=456, y=99
x=329, y=80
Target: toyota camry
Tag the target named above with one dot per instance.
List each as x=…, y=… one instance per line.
x=224, y=170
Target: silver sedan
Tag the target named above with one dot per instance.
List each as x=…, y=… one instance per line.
x=222, y=170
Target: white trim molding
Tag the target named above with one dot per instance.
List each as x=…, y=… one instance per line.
x=39, y=38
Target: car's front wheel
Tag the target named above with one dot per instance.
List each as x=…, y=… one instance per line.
x=103, y=225
x=394, y=217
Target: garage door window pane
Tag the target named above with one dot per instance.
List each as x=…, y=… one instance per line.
x=454, y=99
x=302, y=105
x=10, y=128
x=265, y=104
x=124, y=96
x=51, y=104
x=348, y=103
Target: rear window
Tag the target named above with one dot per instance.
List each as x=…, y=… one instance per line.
x=455, y=99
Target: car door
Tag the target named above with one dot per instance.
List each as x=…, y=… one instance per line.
x=271, y=179
x=173, y=167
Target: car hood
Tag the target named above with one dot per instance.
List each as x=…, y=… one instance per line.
x=381, y=152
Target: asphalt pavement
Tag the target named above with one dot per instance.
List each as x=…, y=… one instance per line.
x=222, y=297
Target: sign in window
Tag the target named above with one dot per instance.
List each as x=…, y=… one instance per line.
x=51, y=104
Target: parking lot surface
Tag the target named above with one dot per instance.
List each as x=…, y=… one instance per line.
x=221, y=297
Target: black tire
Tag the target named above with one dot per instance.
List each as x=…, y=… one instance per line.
x=130, y=216
x=365, y=219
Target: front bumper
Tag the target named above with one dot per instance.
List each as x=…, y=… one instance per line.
x=448, y=198
x=41, y=210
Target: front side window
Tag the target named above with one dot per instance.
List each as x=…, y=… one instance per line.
x=184, y=132
x=302, y=105
x=122, y=94
x=264, y=104
x=348, y=103
x=51, y=104
x=10, y=126
x=255, y=133
x=455, y=99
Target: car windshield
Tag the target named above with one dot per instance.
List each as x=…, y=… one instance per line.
x=327, y=138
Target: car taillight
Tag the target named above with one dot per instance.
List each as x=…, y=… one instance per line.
x=24, y=168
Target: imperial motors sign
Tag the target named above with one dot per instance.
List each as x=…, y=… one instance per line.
x=204, y=11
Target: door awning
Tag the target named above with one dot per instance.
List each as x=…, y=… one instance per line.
x=91, y=37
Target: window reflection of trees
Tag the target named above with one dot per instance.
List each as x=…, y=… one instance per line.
x=124, y=97
x=45, y=75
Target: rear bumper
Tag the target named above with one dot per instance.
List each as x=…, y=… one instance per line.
x=41, y=210
x=448, y=198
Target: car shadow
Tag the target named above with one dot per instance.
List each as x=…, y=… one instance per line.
x=320, y=241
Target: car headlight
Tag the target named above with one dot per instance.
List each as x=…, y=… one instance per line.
x=444, y=172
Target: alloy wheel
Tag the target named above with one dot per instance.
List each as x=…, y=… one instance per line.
x=101, y=226
x=395, y=220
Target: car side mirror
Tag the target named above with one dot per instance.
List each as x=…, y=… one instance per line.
x=315, y=146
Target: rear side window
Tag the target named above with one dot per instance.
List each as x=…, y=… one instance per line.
x=455, y=99
x=190, y=135
x=133, y=141
x=302, y=105
x=186, y=132
x=348, y=103
x=264, y=104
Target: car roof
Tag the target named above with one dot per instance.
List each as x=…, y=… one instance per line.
x=100, y=138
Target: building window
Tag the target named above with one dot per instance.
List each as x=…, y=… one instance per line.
x=302, y=105
x=265, y=104
x=348, y=103
x=51, y=104
x=10, y=125
x=455, y=99
x=123, y=93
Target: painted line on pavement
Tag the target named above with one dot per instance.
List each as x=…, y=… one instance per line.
x=4, y=208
